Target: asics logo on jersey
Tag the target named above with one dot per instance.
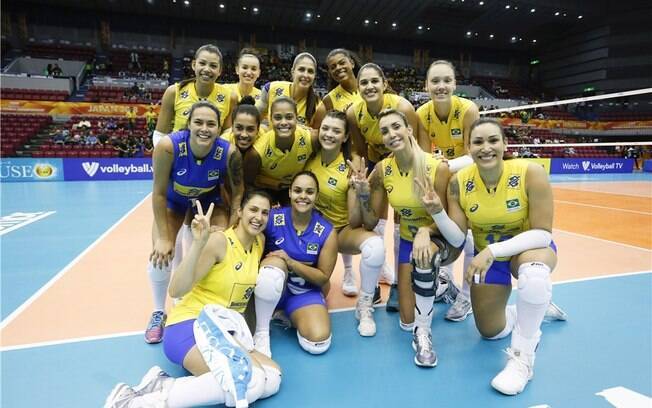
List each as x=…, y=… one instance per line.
x=181, y=172
x=474, y=208
x=90, y=168
x=238, y=266
x=279, y=241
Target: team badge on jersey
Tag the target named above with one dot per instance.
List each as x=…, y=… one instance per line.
x=513, y=205
x=220, y=98
x=332, y=181
x=302, y=157
x=273, y=166
x=194, y=192
x=278, y=91
x=514, y=181
x=406, y=212
x=249, y=292
x=364, y=130
x=218, y=153
x=456, y=115
x=279, y=220
x=184, y=95
x=456, y=133
x=269, y=152
x=470, y=186
x=213, y=174
x=312, y=249
x=388, y=170
x=338, y=96
x=450, y=152
x=302, y=141
x=319, y=229
x=341, y=168
x=183, y=149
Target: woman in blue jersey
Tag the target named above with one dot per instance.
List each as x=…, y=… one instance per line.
x=508, y=206
x=189, y=165
x=339, y=204
x=301, y=247
x=215, y=278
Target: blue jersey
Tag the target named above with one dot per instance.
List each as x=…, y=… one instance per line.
x=192, y=178
x=304, y=248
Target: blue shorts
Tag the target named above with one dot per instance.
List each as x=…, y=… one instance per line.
x=178, y=339
x=405, y=251
x=180, y=204
x=289, y=302
x=500, y=272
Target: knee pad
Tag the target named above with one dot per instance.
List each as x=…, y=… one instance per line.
x=380, y=227
x=255, y=388
x=159, y=274
x=373, y=251
x=272, y=381
x=269, y=285
x=424, y=282
x=314, y=347
x=534, y=285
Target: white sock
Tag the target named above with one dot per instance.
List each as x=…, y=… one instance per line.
x=372, y=257
x=424, y=304
x=195, y=391
x=347, y=260
x=159, y=279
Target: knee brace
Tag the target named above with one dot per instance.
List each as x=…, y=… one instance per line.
x=314, y=347
x=534, y=285
x=380, y=228
x=424, y=282
x=272, y=381
x=269, y=285
x=159, y=274
x=373, y=251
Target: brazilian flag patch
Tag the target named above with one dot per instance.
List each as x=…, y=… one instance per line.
x=513, y=205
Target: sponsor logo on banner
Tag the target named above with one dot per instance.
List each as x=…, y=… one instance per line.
x=108, y=169
x=570, y=166
x=23, y=169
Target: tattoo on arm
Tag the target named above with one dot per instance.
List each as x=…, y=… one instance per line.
x=454, y=189
x=235, y=168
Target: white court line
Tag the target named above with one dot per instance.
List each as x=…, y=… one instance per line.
x=560, y=184
x=62, y=272
x=602, y=207
x=22, y=224
x=344, y=309
x=602, y=240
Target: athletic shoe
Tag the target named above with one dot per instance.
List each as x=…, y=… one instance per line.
x=554, y=312
x=262, y=343
x=516, y=374
x=422, y=344
x=364, y=312
x=392, y=299
x=154, y=380
x=154, y=331
x=377, y=298
x=387, y=274
x=460, y=309
x=120, y=397
x=349, y=285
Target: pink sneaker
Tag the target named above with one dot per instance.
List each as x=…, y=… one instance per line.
x=154, y=331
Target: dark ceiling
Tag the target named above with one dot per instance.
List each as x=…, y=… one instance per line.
x=440, y=21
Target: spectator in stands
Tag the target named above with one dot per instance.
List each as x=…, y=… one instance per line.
x=48, y=70
x=58, y=136
x=122, y=147
x=148, y=146
x=131, y=118
x=134, y=61
x=76, y=138
x=83, y=124
x=56, y=70
x=91, y=139
x=150, y=119
x=634, y=153
x=569, y=152
x=102, y=137
x=111, y=124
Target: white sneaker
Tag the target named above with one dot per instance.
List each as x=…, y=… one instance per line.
x=422, y=344
x=387, y=274
x=516, y=374
x=460, y=309
x=121, y=396
x=364, y=312
x=154, y=380
x=349, y=285
x=262, y=343
x=554, y=312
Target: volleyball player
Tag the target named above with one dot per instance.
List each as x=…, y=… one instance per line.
x=248, y=70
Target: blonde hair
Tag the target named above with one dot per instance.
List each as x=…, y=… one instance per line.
x=418, y=156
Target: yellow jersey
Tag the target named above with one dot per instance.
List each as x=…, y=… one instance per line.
x=284, y=88
x=186, y=96
x=400, y=192
x=333, y=187
x=255, y=92
x=368, y=126
x=446, y=135
x=341, y=99
x=229, y=283
x=280, y=165
x=499, y=215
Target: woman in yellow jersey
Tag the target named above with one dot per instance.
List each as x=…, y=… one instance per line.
x=445, y=120
x=281, y=152
x=508, y=206
x=342, y=85
x=301, y=251
x=338, y=203
x=419, y=255
x=189, y=166
x=246, y=125
x=221, y=268
x=178, y=98
x=368, y=142
x=304, y=71
x=248, y=70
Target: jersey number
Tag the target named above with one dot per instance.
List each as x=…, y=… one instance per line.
x=491, y=238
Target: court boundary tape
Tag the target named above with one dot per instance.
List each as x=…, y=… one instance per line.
x=332, y=311
x=12, y=316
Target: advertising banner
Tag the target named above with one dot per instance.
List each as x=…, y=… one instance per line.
x=72, y=108
x=572, y=166
x=108, y=169
x=23, y=169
